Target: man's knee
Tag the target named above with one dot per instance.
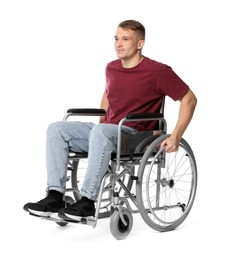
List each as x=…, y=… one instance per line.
x=106, y=130
x=55, y=128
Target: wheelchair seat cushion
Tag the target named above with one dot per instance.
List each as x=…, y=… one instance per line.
x=137, y=142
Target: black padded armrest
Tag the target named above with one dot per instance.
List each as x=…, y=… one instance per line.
x=87, y=111
x=102, y=112
x=144, y=116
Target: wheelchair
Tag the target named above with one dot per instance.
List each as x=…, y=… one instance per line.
x=141, y=178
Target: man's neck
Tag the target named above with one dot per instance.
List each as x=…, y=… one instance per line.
x=130, y=63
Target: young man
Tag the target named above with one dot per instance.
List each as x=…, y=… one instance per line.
x=134, y=84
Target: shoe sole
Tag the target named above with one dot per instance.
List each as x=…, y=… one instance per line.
x=43, y=214
x=65, y=216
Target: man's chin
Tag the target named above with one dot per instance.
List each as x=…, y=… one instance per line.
x=119, y=56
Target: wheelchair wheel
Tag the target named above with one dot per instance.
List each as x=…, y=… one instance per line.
x=76, y=179
x=117, y=227
x=166, y=185
x=145, y=143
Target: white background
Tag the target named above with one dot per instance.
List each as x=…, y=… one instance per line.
x=52, y=57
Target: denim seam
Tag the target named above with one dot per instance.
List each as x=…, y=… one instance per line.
x=98, y=171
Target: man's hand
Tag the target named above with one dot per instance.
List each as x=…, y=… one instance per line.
x=171, y=144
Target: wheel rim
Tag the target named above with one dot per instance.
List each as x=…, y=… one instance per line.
x=167, y=193
x=122, y=228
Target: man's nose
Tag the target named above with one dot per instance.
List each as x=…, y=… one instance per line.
x=119, y=43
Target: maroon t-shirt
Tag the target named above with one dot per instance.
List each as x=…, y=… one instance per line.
x=140, y=89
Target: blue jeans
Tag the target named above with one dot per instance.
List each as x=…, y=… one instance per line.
x=98, y=140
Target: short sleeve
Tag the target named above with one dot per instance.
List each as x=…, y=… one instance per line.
x=170, y=84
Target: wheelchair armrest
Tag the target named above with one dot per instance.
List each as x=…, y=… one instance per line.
x=84, y=112
x=144, y=116
x=87, y=111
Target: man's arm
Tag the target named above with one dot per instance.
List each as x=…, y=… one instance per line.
x=186, y=110
x=103, y=105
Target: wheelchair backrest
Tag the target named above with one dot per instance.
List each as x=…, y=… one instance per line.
x=160, y=123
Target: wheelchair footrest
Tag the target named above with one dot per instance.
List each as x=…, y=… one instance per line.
x=48, y=218
x=88, y=221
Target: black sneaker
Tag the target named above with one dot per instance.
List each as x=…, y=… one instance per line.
x=47, y=207
x=83, y=208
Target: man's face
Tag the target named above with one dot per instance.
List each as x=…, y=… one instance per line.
x=127, y=43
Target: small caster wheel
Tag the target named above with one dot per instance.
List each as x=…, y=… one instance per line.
x=118, y=229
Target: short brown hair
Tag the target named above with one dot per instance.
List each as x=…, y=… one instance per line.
x=134, y=26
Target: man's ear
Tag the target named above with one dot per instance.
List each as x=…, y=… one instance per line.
x=140, y=44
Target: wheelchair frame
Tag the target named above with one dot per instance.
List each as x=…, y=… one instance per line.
x=156, y=209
